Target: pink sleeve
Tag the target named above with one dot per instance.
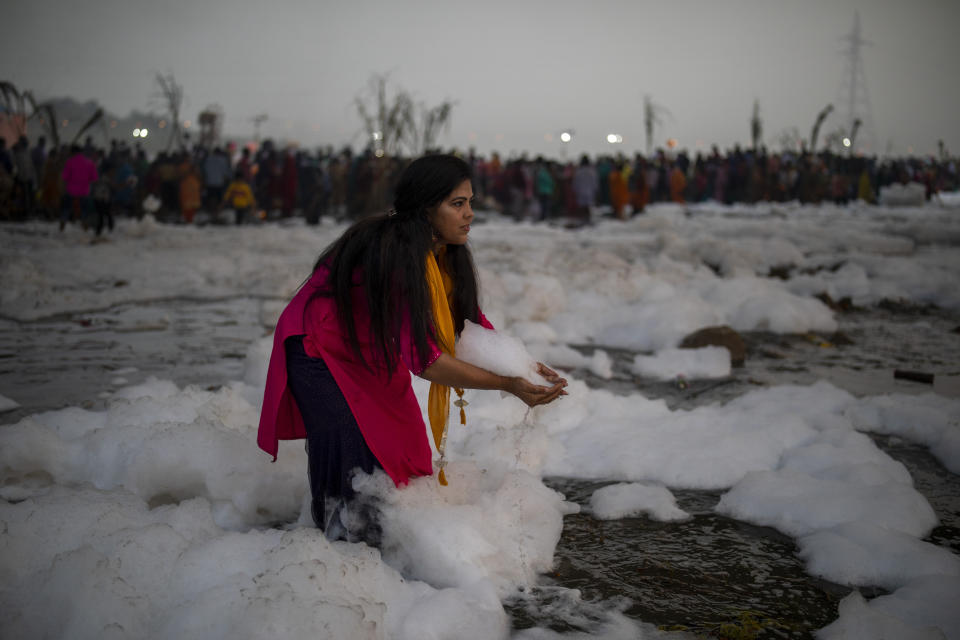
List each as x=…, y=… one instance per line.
x=484, y=322
x=408, y=351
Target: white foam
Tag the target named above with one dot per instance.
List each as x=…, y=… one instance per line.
x=929, y=419
x=861, y=554
x=497, y=352
x=154, y=516
x=623, y=500
x=925, y=609
x=667, y=364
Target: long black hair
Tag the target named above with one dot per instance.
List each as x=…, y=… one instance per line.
x=386, y=256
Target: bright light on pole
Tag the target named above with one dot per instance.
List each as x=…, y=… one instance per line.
x=566, y=137
x=846, y=142
x=614, y=138
x=143, y=133
x=136, y=133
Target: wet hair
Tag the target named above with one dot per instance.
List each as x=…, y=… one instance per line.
x=385, y=255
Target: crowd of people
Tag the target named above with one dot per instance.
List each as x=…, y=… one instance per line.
x=92, y=185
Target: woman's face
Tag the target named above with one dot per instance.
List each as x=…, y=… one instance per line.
x=451, y=218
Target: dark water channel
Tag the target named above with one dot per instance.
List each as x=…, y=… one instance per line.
x=73, y=359
x=697, y=575
x=712, y=576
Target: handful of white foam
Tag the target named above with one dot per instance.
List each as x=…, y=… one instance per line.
x=497, y=353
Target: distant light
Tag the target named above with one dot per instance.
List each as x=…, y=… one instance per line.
x=378, y=153
x=162, y=124
x=143, y=133
x=136, y=133
x=846, y=142
x=671, y=143
x=614, y=138
x=186, y=124
x=566, y=137
x=378, y=135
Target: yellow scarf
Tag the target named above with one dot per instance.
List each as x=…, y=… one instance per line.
x=438, y=405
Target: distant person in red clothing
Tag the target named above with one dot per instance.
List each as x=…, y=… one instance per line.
x=79, y=173
x=288, y=181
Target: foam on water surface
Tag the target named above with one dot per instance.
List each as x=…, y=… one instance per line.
x=155, y=514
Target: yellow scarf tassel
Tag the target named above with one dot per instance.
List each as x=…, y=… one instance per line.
x=438, y=405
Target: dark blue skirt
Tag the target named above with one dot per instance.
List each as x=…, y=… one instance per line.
x=336, y=449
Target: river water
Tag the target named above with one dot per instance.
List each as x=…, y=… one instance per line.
x=709, y=575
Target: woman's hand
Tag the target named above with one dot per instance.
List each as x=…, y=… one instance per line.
x=456, y=373
x=533, y=394
x=550, y=375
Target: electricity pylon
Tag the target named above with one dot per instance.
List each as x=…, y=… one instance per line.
x=854, y=98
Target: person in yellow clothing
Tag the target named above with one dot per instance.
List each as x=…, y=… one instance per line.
x=678, y=182
x=239, y=197
x=619, y=194
x=191, y=190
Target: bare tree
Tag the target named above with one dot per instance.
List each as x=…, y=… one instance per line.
x=386, y=120
x=857, y=122
x=396, y=123
x=816, y=126
x=423, y=136
x=789, y=139
x=14, y=103
x=652, y=118
x=170, y=94
x=47, y=117
x=834, y=139
x=756, y=125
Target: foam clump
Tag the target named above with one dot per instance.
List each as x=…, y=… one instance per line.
x=912, y=194
x=625, y=500
x=861, y=554
x=928, y=419
x=667, y=364
x=486, y=524
x=598, y=363
x=498, y=353
x=799, y=504
x=170, y=531
x=926, y=609
x=170, y=572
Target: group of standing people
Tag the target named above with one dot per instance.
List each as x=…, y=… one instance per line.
x=270, y=182
x=541, y=188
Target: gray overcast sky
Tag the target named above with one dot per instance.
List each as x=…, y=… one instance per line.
x=519, y=71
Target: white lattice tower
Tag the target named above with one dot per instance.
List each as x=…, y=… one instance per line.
x=853, y=99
